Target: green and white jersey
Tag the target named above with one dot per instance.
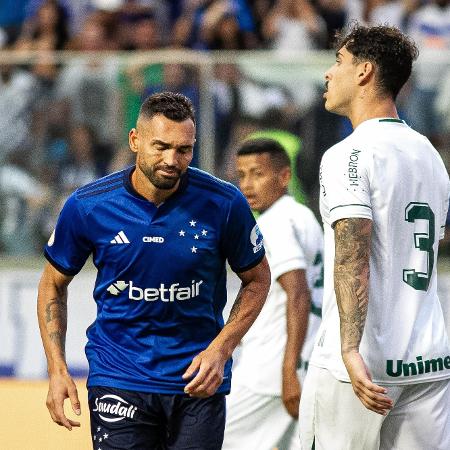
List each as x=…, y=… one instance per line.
x=388, y=173
x=293, y=239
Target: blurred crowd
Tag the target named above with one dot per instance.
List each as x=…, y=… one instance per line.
x=64, y=124
x=200, y=24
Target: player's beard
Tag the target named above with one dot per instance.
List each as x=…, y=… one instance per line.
x=160, y=181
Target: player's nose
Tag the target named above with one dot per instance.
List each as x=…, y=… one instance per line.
x=245, y=184
x=171, y=157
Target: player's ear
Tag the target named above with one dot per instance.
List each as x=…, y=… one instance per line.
x=285, y=176
x=133, y=140
x=366, y=71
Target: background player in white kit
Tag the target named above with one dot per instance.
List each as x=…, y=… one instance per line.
x=384, y=199
x=266, y=389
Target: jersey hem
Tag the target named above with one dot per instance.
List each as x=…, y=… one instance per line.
x=250, y=266
x=288, y=266
x=351, y=204
x=353, y=214
x=237, y=381
x=147, y=388
x=57, y=266
x=260, y=392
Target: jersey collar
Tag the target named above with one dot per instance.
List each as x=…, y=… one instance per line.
x=383, y=120
x=391, y=119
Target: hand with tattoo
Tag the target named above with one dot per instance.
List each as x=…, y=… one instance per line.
x=52, y=316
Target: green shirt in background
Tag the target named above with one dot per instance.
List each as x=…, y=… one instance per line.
x=133, y=90
x=292, y=144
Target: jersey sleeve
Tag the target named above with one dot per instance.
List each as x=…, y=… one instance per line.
x=445, y=219
x=345, y=186
x=286, y=252
x=243, y=241
x=69, y=246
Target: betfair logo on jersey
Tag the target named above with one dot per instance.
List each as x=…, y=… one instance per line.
x=418, y=367
x=117, y=287
x=165, y=294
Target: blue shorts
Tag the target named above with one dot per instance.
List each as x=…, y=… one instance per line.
x=140, y=421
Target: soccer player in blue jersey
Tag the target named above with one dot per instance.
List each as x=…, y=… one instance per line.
x=160, y=234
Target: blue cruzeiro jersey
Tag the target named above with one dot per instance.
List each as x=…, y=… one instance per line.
x=161, y=282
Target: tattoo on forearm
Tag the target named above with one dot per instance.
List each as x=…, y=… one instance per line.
x=59, y=339
x=351, y=278
x=56, y=322
x=236, y=307
x=56, y=309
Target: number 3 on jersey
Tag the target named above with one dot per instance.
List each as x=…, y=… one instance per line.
x=422, y=241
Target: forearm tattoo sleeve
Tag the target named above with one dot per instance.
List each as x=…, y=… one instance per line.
x=56, y=322
x=351, y=278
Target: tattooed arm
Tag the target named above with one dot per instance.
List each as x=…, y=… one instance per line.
x=248, y=304
x=210, y=363
x=52, y=317
x=351, y=285
x=351, y=278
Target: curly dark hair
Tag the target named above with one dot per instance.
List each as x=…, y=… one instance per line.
x=387, y=47
x=172, y=105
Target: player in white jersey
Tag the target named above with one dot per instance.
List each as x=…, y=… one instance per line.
x=265, y=392
x=384, y=199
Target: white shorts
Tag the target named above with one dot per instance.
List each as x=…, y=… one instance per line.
x=258, y=422
x=333, y=418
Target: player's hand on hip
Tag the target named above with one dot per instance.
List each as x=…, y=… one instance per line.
x=208, y=367
x=290, y=393
x=62, y=386
x=372, y=396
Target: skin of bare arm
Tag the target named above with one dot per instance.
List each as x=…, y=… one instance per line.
x=52, y=317
x=351, y=285
x=207, y=367
x=298, y=306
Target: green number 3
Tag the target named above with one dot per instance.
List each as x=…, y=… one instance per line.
x=424, y=242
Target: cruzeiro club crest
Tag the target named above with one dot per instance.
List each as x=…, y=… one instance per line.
x=256, y=238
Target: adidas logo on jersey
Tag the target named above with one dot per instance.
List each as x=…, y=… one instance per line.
x=120, y=238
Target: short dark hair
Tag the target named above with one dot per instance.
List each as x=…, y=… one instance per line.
x=172, y=105
x=387, y=47
x=276, y=151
